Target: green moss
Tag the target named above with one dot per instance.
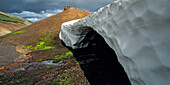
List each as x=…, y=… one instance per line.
x=80, y=62
x=59, y=75
x=63, y=80
x=69, y=53
x=87, y=61
x=40, y=46
x=44, y=43
x=30, y=83
x=46, y=38
x=77, y=63
x=4, y=18
x=5, y=78
x=39, y=60
x=18, y=32
x=12, y=33
x=48, y=67
x=42, y=71
x=61, y=56
x=17, y=81
x=64, y=55
x=30, y=21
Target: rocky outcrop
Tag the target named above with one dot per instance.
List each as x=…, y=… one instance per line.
x=67, y=7
x=137, y=30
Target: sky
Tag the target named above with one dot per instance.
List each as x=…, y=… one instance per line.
x=35, y=10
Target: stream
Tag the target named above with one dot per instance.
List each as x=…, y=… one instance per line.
x=32, y=65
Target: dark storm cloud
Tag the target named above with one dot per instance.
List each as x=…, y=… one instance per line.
x=40, y=5
x=33, y=16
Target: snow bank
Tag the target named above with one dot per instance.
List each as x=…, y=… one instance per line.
x=137, y=30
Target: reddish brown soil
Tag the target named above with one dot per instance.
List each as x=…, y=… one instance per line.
x=11, y=26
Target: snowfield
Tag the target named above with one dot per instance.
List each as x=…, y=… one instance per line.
x=137, y=30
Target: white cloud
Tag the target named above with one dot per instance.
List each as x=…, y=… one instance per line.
x=33, y=19
x=33, y=16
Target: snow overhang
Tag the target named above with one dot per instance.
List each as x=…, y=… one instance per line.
x=137, y=30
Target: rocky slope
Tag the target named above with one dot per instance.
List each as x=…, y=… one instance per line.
x=9, y=23
x=138, y=32
x=43, y=35
x=39, y=73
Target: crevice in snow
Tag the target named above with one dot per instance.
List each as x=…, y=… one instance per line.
x=98, y=61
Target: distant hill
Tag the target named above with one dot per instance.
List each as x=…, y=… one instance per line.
x=9, y=23
x=46, y=30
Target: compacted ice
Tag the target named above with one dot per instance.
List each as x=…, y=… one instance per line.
x=137, y=30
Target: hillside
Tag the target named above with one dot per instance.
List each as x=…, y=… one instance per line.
x=9, y=23
x=46, y=29
x=41, y=39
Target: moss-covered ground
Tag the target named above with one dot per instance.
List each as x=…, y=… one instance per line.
x=7, y=19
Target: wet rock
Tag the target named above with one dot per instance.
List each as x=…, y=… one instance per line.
x=7, y=54
x=57, y=60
